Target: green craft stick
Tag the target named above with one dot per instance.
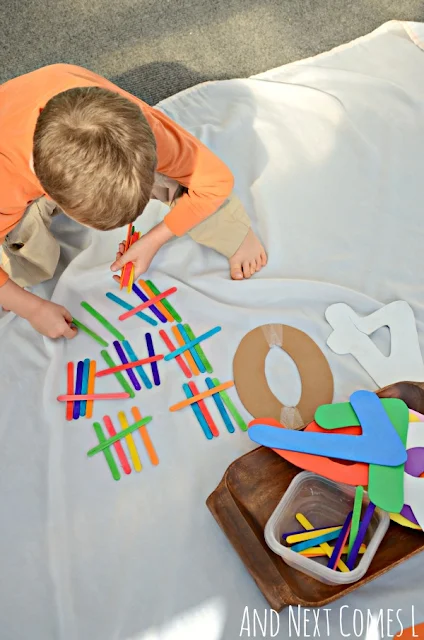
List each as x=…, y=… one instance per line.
x=89, y=332
x=118, y=335
x=168, y=306
x=108, y=453
x=118, y=436
x=118, y=375
x=198, y=349
x=356, y=517
x=230, y=406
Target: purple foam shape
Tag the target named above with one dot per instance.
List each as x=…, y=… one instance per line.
x=414, y=466
x=154, y=365
x=152, y=307
x=363, y=528
x=123, y=358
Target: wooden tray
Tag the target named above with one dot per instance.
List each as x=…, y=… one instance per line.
x=242, y=503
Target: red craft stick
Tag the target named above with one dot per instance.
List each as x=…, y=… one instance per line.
x=148, y=303
x=127, y=244
x=128, y=365
x=94, y=396
x=179, y=359
x=70, y=389
x=203, y=408
x=118, y=446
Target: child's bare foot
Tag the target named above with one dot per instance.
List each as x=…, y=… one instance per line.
x=249, y=258
x=412, y=393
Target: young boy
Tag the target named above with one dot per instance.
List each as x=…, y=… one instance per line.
x=72, y=141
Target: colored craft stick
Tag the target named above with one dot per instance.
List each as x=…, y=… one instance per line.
x=118, y=335
x=168, y=306
x=91, y=382
x=143, y=375
x=92, y=396
x=178, y=359
x=193, y=351
x=198, y=349
x=118, y=446
x=122, y=434
x=188, y=355
x=118, y=375
x=78, y=387
x=317, y=552
x=127, y=244
x=307, y=544
x=127, y=274
x=123, y=358
x=126, y=305
x=309, y=535
x=84, y=387
x=151, y=452
x=220, y=406
x=148, y=291
x=131, y=279
x=192, y=343
x=151, y=352
x=202, y=396
x=324, y=545
x=90, y=333
x=356, y=517
x=197, y=412
x=70, y=390
x=132, y=449
x=203, y=408
x=351, y=559
x=153, y=309
x=148, y=303
x=108, y=454
x=231, y=406
x=128, y=365
x=341, y=541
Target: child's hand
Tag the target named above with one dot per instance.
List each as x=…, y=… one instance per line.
x=52, y=320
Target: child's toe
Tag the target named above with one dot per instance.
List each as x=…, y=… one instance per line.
x=236, y=272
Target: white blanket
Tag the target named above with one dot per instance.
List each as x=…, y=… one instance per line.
x=328, y=159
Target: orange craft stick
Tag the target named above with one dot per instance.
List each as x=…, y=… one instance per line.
x=201, y=396
x=128, y=365
x=127, y=244
x=91, y=377
x=203, y=408
x=94, y=396
x=147, y=304
x=190, y=360
x=151, y=451
x=147, y=290
x=70, y=389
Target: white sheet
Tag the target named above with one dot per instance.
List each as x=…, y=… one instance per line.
x=327, y=155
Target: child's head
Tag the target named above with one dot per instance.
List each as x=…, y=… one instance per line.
x=95, y=155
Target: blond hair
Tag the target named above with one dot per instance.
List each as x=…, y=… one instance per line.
x=95, y=155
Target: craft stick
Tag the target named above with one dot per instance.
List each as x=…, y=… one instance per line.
x=78, y=387
x=123, y=358
x=192, y=343
x=118, y=375
x=198, y=349
x=127, y=244
x=153, y=309
x=122, y=434
x=132, y=449
x=70, y=390
x=178, y=359
x=84, y=387
x=369, y=512
x=148, y=303
x=91, y=382
x=307, y=544
x=77, y=397
x=143, y=375
x=309, y=535
x=168, y=306
x=203, y=408
x=160, y=305
x=341, y=541
x=131, y=279
x=126, y=305
x=357, y=508
x=231, y=406
x=324, y=545
x=197, y=412
x=317, y=552
x=151, y=352
x=193, y=351
x=118, y=446
x=108, y=454
x=129, y=365
x=188, y=355
x=127, y=274
x=319, y=530
x=118, y=335
x=201, y=396
x=151, y=451
x=220, y=406
x=90, y=333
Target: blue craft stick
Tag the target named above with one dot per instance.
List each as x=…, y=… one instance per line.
x=193, y=352
x=129, y=307
x=221, y=407
x=351, y=559
x=192, y=343
x=340, y=543
x=198, y=413
x=131, y=354
x=123, y=358
x=154, y=365
x=78, y=388
x=315, y=542
x=152, y=307
x=84, y=386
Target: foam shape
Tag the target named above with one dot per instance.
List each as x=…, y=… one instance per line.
x=221, y=408
x=122, y=434
x=202, y=396
x=341, y=541
x=145, y=298
x=184, y=368
x=415, y=463
x=107, y=325
x=369, y=512
x=118, y=446
x=351, y=336
x=148, y=303
x=123, y=358
x=324, y=545
x=144, y=434
x=356, y=516
x=132, y=449
x=414, y=497
x=198, y=413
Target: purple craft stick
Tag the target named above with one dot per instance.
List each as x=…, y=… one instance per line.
x=123, y=358
x=361, y=536
x=154, y=365
x=340, y=542
x=78, y=389
x=152, y=307
x=295, y=533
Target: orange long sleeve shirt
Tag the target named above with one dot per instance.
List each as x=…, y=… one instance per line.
x=180, y=155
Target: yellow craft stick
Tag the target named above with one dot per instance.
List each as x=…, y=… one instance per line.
x=190, y=360
x=309, y=535
x=91, y=380
x=317, y=552
x=159, y=306
x=201, y=396
x=131, y=280
x=130, y=442
x=324, y=545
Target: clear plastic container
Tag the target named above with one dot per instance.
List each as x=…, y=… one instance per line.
x=325, y=503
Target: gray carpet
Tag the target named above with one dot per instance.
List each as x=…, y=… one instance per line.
x=155, y=48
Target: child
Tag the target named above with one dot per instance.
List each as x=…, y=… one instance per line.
x=72, y=141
